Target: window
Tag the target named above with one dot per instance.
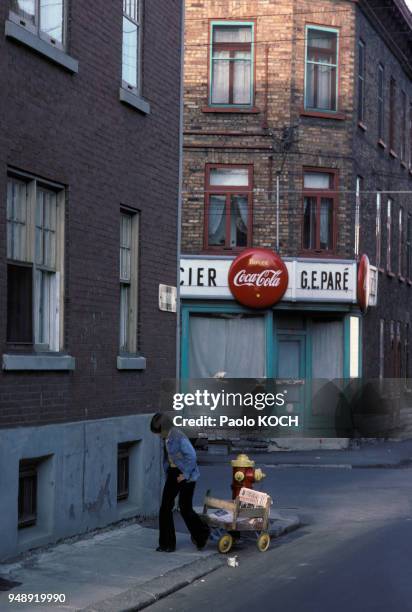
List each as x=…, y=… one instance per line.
x=35, y=216
x=361, y=81
x=378, y=230
x=403, y=126
x=409, y=247
x=129, y=248
x=27, y=502
x=381, y=103
x=397, y=370
x=45, y=18
x=357, y=213
x=321, y=82
x=319, y=197
x=123, y=470
x=228, y=207
x=131, y=47
x=401, y=243
x=381, y=348
x=392, y=101
x=406, y=351
x=231, y=67
x=389, y=236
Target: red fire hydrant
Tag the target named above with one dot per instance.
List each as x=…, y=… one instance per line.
x=244, y=474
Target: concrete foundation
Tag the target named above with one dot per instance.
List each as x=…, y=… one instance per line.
x=77, y=478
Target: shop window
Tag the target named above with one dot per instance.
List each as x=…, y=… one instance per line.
x=27, y=501
x=231, y=69
x=35, y=244
x=319, y=203
x=129, y=249
x=378, y=229
x=321, y=82
x=361, y=81
x=44, y=18
x=228, y=207
x=327, y=348
x=228, y=345
x=381, y=102
x=389, y=236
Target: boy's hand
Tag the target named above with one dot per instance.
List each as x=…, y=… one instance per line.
x=180, y=478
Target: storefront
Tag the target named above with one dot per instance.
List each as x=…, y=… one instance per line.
x=314, y=332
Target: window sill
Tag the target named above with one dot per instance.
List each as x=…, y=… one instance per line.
x=409, y=281
x=381, y=143
x=390, y=274
x=319, y=254
x=362, y=126
x=401, y=279
x=131, y=362
x=403, y=164
x=393, y=154
x=38, y=363
x=134, y=100
x=23, y=36
x=323, y=115
x=231, y=109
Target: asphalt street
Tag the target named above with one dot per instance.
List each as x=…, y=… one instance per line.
x=351, y=554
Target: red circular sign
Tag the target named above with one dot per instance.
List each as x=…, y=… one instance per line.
x=258, y=278
x=364, y=283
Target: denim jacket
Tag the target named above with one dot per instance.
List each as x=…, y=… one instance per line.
x=182, y=454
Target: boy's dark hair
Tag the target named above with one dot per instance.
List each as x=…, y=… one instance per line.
x=160, y=422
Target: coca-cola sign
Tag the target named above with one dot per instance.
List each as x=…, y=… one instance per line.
x=258, y=278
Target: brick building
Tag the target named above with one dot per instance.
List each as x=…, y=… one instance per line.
x=297, y=138
x=89, y=163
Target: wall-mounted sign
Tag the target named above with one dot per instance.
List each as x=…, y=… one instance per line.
x=258, y=278
x=364, y=283
x=310, y=280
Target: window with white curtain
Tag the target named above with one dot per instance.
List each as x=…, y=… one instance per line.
x=228, y=207
x=46, y=18
x=35, y=251
x=319, y=202
x=129, y=245
x=321, y=74
x=131, y=45
x=229, y=345
x=231, y=64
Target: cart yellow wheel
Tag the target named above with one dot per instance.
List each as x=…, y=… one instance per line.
x=225, y=543
x=263, y=542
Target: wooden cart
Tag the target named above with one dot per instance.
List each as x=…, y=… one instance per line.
x=237, y=519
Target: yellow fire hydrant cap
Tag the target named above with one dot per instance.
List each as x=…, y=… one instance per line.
x=242, y=461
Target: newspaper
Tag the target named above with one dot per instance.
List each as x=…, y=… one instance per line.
x=248, y=499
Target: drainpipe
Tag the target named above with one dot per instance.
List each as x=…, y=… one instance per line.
x=180, y=190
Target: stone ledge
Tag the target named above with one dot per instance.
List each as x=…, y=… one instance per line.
x=33, y=41
x=131, y=362
x=132, y=99
x=38, y=362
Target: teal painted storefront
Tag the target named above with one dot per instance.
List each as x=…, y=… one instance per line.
x=290, y=345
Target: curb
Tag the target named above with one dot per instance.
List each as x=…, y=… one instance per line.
x=148, y=593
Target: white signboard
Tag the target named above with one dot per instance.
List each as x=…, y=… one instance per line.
x=309, y=280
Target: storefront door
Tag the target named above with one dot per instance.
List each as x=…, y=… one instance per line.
x=291, y=373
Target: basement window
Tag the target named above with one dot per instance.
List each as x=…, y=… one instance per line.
x=27, y=501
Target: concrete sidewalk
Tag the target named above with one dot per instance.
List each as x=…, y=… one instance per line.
x=377, y=454
x=113, y=571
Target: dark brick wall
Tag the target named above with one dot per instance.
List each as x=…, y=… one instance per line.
x=382, y=171
x=72, y=129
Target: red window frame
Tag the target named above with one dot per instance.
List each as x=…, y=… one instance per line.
x=318, y=194
x=228, y=191
x=231, y=48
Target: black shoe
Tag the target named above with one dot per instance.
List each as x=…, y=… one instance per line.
x=165, y=549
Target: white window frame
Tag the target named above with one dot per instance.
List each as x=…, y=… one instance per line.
x=128, y=313
x=54, y=338
x=137, y=20
x=36, y=27
x=336, y=66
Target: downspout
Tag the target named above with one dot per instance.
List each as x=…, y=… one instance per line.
x=180, y=189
